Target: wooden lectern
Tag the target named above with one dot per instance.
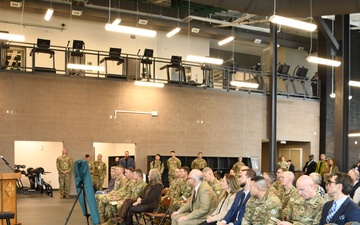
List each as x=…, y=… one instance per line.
x=8, y=195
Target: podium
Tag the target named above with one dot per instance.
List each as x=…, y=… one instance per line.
x=8, y=195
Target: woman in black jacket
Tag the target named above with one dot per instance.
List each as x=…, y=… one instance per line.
x=146, y=202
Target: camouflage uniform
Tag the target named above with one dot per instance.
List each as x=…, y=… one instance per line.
x=259, y=211
x=277, y=188
x=199, y=164
x=236, y=167
x=305, y=211
x=134, y=190
x=185, y=191
x=91, y=168
x=157, y=165
x=103, y=200
x=99, y=174
x=288, y=197
x=64, y=163
x=173, y=164
x=216, y=186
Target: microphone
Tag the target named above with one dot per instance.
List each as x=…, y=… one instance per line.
x=6, y=162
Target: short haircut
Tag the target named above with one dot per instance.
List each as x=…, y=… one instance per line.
x=199, y=153
x=197, y=175
x=113, y=168
x=289, y=160
x=130, y=169
x=207, y=169
x=87, y=156
x=271, y=176
x=120, y=166
x=250, y=173
x=316, y=177
x=172, y=151
x=289, y=175
x=158, y=155
x=283, y=169
x=260, y=182
x=346, y=181
x=186, y=169
x=138, y=171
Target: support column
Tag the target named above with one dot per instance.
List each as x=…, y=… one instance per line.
x=341, y=122
x=273, y=98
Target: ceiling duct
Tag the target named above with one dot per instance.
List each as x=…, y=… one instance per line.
x=289, y=8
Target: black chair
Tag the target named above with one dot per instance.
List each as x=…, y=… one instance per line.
x=6, y=216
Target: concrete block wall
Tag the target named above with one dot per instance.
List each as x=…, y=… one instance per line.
x=76, y=111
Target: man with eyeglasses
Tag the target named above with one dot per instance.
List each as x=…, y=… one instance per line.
x=201, y=203
x=341, y=210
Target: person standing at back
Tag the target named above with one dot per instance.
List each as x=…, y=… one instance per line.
x=310, y=166
x=173, y=163
x=99, y=173
x=237, y=166
x=199, y=163
x=64, y=165
x=157, y=164
x=127, y=161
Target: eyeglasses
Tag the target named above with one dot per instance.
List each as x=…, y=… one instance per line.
x=330, y=182
x=191, y=178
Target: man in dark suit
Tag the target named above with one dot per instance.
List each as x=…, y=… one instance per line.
x=341, y=210
x=201, y=203
x=237, y=210
x=310, y=166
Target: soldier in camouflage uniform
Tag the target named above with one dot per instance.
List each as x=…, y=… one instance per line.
x=214, y=183
x=63, y=165
x=99, y=173
x=104, y=199
x=173, y=163
x=262, y=205
x=133, y=190
x=157, y=164
x=90, y=164
x=282, y=163
x=237, y=166
x=308, y=208
x=199, y=163
x=184, y=189
x=290, y=195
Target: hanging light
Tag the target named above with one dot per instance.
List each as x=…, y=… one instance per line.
x=173, y=32
x=130, y=30
x=323, y=61
x=202, y=59
x=149, y=84
x=12, y=37
x=85, y=67
x=49, y=14
x=292, y=23
x=354, y=83
x=354, y=134
x=226, y=40
x=244, y=84
x=117, y=21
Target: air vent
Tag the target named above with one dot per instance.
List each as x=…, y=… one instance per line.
x=143, y=22
x=15, y=4
x=195, y=30
x=77, y=12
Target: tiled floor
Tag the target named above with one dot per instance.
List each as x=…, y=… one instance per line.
x=37, y=209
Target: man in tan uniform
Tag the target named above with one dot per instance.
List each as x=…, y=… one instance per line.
x=64, y=164
x=99, y=173
x=199, y=163
x=173, y=163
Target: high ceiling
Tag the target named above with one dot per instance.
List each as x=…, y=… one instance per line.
x=247, y=20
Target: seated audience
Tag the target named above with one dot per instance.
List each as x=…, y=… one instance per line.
x=307, y=209
x=355, y=191
x=235, y=214
x=230, y=185
x=146, y=202
x=201, y=203
x=263, y=205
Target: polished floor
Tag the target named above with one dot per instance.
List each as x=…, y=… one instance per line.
x=37, y=209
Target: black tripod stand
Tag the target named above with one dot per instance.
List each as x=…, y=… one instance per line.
x=81, y=185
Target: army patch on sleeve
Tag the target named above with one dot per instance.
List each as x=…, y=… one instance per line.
x=273, y=212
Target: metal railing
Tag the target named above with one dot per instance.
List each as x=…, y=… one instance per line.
x=27, y=57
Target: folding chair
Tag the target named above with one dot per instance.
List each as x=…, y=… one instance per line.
x=164, y=191
x=161, y=213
